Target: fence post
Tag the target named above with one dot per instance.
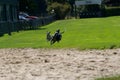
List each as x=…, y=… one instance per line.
x=9, y=28
x=1, y=31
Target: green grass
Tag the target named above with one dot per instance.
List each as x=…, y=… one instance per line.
x=92, y=33
x=110, y=78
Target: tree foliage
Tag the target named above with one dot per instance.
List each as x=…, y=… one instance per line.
x=33, y=6
x=41, y=7
x=112, y=2
x=27, y=5
x=60, y=9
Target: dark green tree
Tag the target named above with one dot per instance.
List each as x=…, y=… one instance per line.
x=60, y=9
x=34, y=7
x=41, y=7
x=23, y=4
x=72, y=2
x=27, y=6
x=112, y=2
x=59, y=1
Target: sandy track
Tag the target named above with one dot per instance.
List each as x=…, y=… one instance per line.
x=61, y=64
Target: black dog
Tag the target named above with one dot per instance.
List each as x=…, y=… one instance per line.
x=56, y=37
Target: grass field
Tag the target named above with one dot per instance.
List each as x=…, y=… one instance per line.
x=110, y=78
x=92, y=33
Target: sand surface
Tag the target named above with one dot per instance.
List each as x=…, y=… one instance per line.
x=58, y=64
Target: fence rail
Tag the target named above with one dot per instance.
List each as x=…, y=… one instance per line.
x=16, y=26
